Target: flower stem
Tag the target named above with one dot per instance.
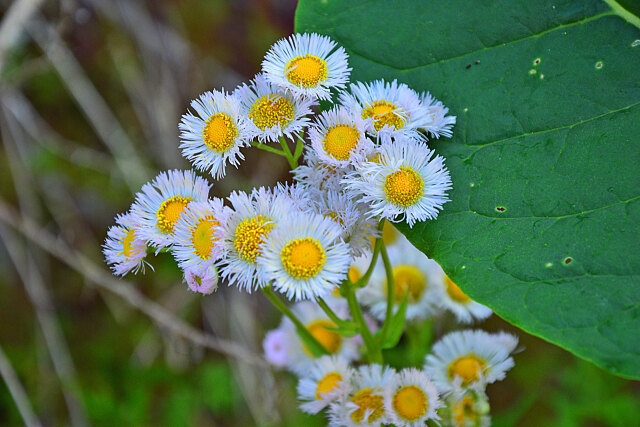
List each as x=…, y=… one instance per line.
x=390, y=291
x=332, y=315
x=309, y=340
x=374, y=353
x=364, y=280
x=287, y=151
x=268, y=148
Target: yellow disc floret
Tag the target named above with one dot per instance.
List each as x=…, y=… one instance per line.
x=410, y=403
x=404, y=186
x=303, y=258
x=368, y=400
x=306, y=70
x=219, y=133
x=340, y=141
x=202, y=237
x=329, y=339
x=170, y=211
x=455, y=292
x=466, y=367
x=271, y=110
x=384, y=113
x=127, y=244
x=408, y=279
x=249, y=235
x=327, y=383
x=463, y=411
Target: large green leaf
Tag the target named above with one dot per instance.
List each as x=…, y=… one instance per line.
x=544, y=222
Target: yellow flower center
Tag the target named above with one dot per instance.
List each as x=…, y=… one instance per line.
x=389, y=233
x=354, y=274
x=464, y=411
x=327, y=383
x=249, y=235
x=408, y=279
x=219, y=133
x=271, y=110
x=303, y=258
x=455, y=292
x=202, y=237
x=403, y=187
x=169, y=212
x=384, y=113
x=369, y=400
x=127, y=244
x=329, y=339
x=306, y=70
x=466, y=367
x=340, y=141
x=410, y=402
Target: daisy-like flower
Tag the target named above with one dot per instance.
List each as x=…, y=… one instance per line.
x=453, y=299
x=411, y=398
x=471, y=355
x=406, y=183
x=357, y=229
x=160, y=203
x=338, y=137
x=317, y=175
x=363, y=403
x=395, y=108
x=309, y=65
x=299, y=195
x=276, y=348
x=202, y=280
x=415, y=277
x=195, y=242
x=305, y=257
x=123, y=247
x=272, y=112
x=467, y=407
x=244, y=232
x=291, y=353
x=214, y=135
x=438, y=123
x=322, y=384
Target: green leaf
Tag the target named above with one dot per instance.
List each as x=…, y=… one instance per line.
x=544, y=222
x=396, y=326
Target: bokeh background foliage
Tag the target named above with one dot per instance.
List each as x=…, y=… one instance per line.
x=90, y=97
x=544, y=222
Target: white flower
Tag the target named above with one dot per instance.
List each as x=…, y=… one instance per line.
x=288, y=350
x=438, y=123
x=160, y=203
x=396, y=109
x=202, y=280
x=309, y=65
x=405, y=183
x=242, y=235
x=322, y=383
x=338, y=137
x=357, y=229
x=196, y=244
x=411, y=399
x=472, y=355
x=301, y=198
x=305, y=257
x=467, y=407
x=318, y=176
x=415, y=276
x=363, y=402
x=214, y=135
x=272, y=112
x=453, y=299
x=123, y=247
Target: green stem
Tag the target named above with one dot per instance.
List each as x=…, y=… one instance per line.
x=285, y=148
x=390, y=291
x=364, y=280
x=374, y=353
x=268, y=148
x=299, y=147
x=332, y=315
x=309, y=340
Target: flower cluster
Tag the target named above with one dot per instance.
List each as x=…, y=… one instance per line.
x=324, y=239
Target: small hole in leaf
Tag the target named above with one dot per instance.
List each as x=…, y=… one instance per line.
x=536, y=61
x=549, y=265
x=501, y=209
x=532, y=71
x=568, y=260
x=599, y=65
x=635, y=43
x=477, y=62
x=468, y=66
x=541, y=76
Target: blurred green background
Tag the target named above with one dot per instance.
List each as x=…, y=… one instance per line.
x=91, y=93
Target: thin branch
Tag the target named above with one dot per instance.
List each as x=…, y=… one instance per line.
x=124, y=289
x=17, y=391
